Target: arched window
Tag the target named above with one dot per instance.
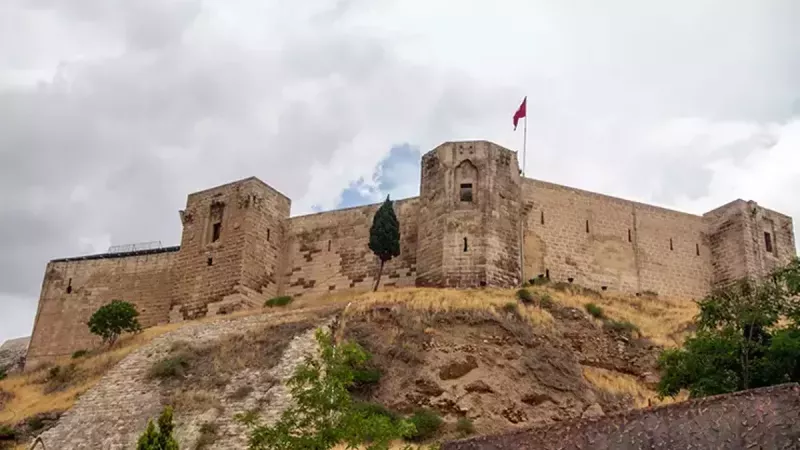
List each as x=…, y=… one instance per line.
x=466, y=182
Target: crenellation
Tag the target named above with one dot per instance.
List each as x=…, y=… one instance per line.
x=476, y=223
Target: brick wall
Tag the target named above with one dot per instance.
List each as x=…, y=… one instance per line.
x=328, y=252
x=73, y=289
x=755, y=419
x=600, y=240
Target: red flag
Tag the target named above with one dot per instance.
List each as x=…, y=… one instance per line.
x=521, y=112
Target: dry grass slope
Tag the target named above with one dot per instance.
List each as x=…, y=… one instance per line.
x=664, y=321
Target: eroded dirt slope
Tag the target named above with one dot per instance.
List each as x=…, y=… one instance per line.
x=496, y=368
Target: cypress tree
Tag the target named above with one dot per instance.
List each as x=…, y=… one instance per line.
x=384, y=236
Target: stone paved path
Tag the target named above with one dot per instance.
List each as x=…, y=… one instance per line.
x=113, y=414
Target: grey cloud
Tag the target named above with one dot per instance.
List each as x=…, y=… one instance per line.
x=136, y=131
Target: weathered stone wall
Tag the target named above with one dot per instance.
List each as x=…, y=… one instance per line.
x=250, y=220
x=748, y=240
x=73, y=289
x=469, y=216
x=604, y=241
x=767, y=418
x=328, y=252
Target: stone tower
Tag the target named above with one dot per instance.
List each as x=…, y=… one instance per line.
x=469, y=216
x=747, y=240
x=231, y=246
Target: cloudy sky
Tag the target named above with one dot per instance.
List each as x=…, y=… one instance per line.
x=111, y=111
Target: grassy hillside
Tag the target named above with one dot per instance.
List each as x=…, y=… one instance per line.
x=440, y=324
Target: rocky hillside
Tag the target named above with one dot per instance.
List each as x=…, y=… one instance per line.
x=482, y=358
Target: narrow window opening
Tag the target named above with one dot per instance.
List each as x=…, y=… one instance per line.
x=216, y=230
x=329, y=245
x=697, y=249
x=629, y=235
x=541, y=218
x=587, y=226
x=267, y=234
x=670, y=243
x=69, y=286
x=547, y=273
x=465, y=244
x=466, y=192
x=210, y=261
x=768, y=241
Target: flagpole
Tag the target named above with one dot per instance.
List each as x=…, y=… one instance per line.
x=524, y=144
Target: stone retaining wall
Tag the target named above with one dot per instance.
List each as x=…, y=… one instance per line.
x=766, y=418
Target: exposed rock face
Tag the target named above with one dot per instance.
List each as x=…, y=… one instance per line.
x=457, y=369
x=499, y=372
x=12, y=354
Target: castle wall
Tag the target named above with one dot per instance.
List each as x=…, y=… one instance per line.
x=629, y=246
x=232, y=236
x=73, y=289
x=328, y=252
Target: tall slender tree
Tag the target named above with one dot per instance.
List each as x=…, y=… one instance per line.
x=384, y=236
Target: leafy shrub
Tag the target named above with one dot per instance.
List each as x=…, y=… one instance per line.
x=595, y=311
x=621, y=326
x=366, y=376
x=323, y=413
x=7, y=433
x=278, y=301
x=376, y=409
x=538, y=281
x=545, y=300
x=511, y=308
x=35, y=423
x=525, y=296
x=426, y=422
x=79, y=354
x=113, y=319
x=171, y=367
x=465, y=427
x=3, y=374
x=59, y=378
x=159, y=438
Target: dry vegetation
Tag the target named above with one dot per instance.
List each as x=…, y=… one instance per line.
x=41, y=390
x=625, y=385
x=664, y=321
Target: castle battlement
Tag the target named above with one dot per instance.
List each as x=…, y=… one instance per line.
x=476, y=223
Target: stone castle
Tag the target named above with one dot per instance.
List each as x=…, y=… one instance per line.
x=476, y=223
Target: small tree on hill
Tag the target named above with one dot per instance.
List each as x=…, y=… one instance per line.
x=113, y=319
x=384, y=236
x=323, y=413
x=159, y=438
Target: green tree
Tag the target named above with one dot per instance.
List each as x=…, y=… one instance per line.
x=748, y=335
x=159, y=438
x=384, y=236
x=112, y=319
x=324, y=414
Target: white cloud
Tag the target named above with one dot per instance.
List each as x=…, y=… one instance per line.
x=112, y=111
